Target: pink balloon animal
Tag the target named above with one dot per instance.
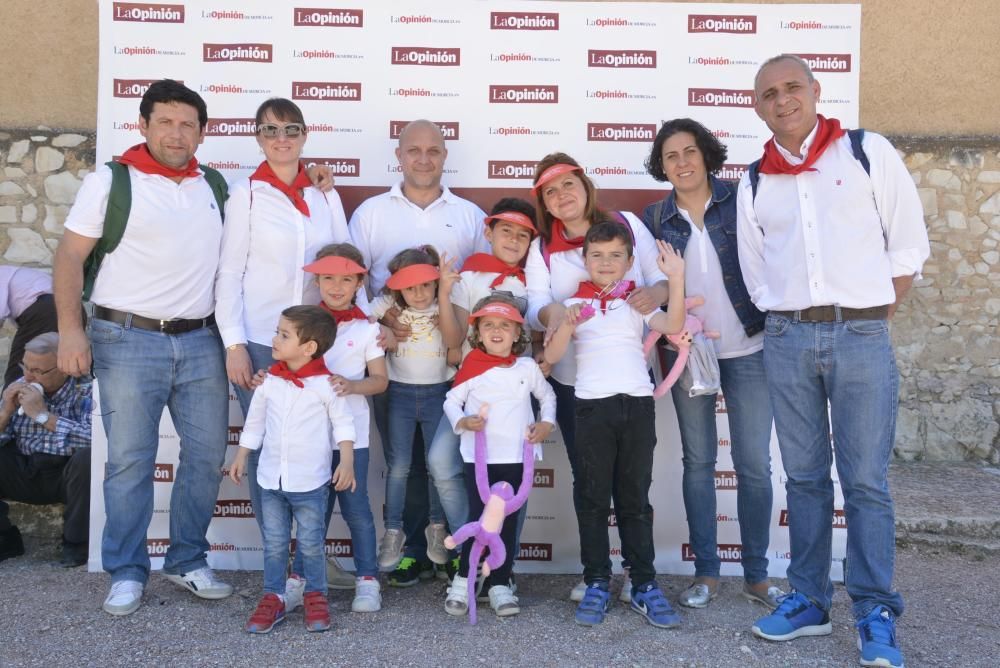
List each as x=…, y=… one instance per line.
x=682, y=341
x=499, y=501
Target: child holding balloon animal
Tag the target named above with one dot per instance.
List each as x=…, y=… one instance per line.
x=615, y=420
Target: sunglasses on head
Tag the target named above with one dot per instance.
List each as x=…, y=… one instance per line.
x=290, y=130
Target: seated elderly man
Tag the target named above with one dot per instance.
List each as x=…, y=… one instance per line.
x=45, y=448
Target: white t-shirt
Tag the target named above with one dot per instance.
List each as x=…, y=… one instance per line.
x=356, y=345
x=265, y=243
x=165, y=266
x=507, y=391
x=291, y=427
x=562, y=278
x=422, y=359
x=474, y=286
x=388, y=223
x=608, y=350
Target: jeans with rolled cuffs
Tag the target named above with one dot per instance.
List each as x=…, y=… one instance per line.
x=744, y=385
x=278, y=508
x=140, y=373
x=846, y=367
x=444, y=463
x=260, y=358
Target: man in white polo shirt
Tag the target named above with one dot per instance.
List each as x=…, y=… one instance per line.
x=154, y=343
x=831, y=235
x=412, y=213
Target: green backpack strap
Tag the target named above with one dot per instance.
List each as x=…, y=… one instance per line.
x=219, y=187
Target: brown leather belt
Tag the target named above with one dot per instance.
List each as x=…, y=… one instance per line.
x=179, y=326
x=829, y=313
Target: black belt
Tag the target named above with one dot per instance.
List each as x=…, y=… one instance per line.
x=178, y=326
x=831, y=313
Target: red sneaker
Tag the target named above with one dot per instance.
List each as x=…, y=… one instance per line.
x=317, y=611
x=269, y=612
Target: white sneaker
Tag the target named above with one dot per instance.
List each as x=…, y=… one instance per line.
x=457, y=602
x=295, y=589
x=503, y=601
x=124, y=598
x=367, y=595
x=576, y=594
x=390, y=550
x=202, y=583
x=336, y=576
x=436, y=551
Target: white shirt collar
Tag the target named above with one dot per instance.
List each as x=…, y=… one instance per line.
x=804, y=150
x=397, y=191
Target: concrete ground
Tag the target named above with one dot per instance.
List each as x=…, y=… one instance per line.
x=947, y=570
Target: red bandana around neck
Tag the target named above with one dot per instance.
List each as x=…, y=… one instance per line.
x=828, y=130
x=479, y=362
x=293, y=192
x=559, y=242
x=314, y=367
x=139, y=157
x=588, y=290
x=353, y=313
x=490, y=263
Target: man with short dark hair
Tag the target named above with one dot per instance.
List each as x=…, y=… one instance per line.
x=45, y=448
x=831, y=236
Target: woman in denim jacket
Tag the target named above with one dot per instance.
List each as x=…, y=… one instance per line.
x=698, y=218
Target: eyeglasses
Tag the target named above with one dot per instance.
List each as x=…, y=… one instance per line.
x=289, y=130
x=35, y=372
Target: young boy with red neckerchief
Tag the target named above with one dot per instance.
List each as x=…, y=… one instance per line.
x=615, y=419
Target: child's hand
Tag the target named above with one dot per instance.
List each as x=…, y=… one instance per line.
x=575, y=315
x=670, y=261
x=341, y=385
x=386, y=340
x=391, y=320
x=471, y=423
x=238, y=466
x=258, y=379
x=449, y=277
x=343, y=476
x=539, y=431
x=543, y=365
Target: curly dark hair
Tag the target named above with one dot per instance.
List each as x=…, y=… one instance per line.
x=712, y=150
x=522, y=341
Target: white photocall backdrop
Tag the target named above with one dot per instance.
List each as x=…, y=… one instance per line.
x=508, y=82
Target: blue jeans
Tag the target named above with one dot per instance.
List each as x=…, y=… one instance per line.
x=744, y=385
x=260, y=358
x=357, y=513
x=851, y=365
x=139, y=373
x=444, y=462
x=410, y=406
x=278, y=507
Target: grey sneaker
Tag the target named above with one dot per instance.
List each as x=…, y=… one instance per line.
x=457, y=602
x=202, y=583
x=390, y=550
x=697, y=595
x=503, y=601
x=577, y=592
x=625, y=595
x=436, y=551
x=295, y=589
x=124, y=598
x=336, y=576
x=367, y=595
x=770, y=601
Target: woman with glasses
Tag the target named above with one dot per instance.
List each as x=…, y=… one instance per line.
x=275, y=223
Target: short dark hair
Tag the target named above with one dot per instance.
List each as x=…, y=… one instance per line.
x=281, y=108
x=425, y=254
x=523, y=340
x=603, y=232
x=513, y=204
x=349, y=251
x=312, y=324
x=166, y=91
x=713, y=152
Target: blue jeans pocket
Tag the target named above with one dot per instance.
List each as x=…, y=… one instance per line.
x=867, y=327
x=776, y=325
x=103, y=331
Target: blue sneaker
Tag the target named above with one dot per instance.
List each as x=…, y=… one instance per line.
x=650, y=602
x=794, y=617
x=594, y=606
x=877, y=639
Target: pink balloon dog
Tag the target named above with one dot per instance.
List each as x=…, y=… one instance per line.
x=682, y=341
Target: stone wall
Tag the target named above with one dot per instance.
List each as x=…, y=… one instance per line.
x=945, y=333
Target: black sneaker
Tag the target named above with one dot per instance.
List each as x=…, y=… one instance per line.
x=411, y=571
x=73, y=554
x=11, y=544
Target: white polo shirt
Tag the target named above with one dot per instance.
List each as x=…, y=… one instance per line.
x=290, y=426
x=507, y=391
x=265, y=243
x=165, y=266
x=356, y=345
x=386, y=224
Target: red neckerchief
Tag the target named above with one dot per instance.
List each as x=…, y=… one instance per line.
x=489, y=263
x=353, y=313
x=314, y=367
x=293, y=192
x=588, y=290
x=139, y=157
x=827, y=132
x=479, y=362
x=559, y=243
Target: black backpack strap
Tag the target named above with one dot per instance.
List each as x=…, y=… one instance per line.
x=115, y=220
x=857, y=136
x=219, y=187
x=657, y=223
x=753, y=174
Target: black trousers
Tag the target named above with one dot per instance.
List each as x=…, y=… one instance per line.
x=615, y=438
x=510, y=473
x=38, y=318
x=41, y=479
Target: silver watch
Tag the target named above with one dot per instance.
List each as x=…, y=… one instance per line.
x=42, y=418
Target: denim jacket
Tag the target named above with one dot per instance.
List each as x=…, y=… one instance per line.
x=720, y=222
